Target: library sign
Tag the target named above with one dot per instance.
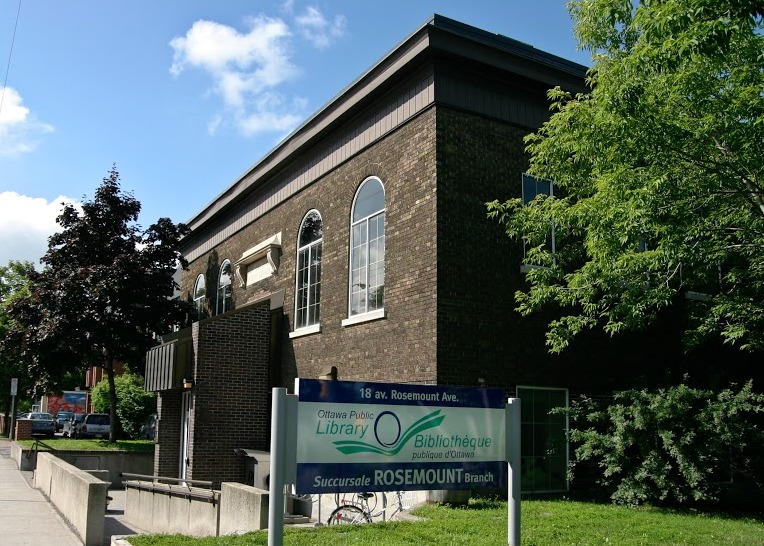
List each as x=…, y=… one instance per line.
x=360, y=436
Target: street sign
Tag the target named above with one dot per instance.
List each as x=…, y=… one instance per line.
x=14, y=386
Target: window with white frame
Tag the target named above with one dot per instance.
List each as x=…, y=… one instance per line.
x=308, y=275
x=544, y=440
x=223, y=299
x=367, y=252
x=533, y=187
x=200, y=292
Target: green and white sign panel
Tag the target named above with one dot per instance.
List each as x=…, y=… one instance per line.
x=361, y=436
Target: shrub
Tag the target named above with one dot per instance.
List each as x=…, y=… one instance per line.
x=134, y=404
x=671, y=446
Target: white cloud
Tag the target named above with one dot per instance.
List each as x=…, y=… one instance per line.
x=214, y=124
x=288, y=7
x=270, y=114
x=240, y=64
x=249, y=69
x=25, y=225
x=266, y=122
x=317, y=29
x=19, y=130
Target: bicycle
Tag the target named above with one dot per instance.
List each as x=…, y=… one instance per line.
x=360, y=509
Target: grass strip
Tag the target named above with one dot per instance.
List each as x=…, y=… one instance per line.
x=544, y=523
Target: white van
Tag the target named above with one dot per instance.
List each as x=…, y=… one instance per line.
x=94, y=425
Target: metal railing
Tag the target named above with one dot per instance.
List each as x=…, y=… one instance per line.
x=159, y=483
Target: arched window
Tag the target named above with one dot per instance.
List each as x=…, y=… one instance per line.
x=224, y=288
x=308, y=284
x=367, y=249
x=200, y=291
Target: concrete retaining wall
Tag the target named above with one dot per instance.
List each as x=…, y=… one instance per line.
x=243, y=508
x=79, y=496
x=115, y=462
x=165, y=508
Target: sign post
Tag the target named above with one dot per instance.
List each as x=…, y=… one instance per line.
x=283, y=439
x=513, y=459
x=14, y=392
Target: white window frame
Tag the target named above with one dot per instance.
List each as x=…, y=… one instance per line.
x=310, y=248
x=199, y=299
x=220, y=301
x=373, y=314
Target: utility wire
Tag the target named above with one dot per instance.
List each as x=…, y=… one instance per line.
x=10, y=54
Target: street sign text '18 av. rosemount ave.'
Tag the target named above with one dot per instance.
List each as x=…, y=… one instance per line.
x=361, y=436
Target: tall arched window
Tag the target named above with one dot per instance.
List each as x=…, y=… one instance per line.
x=308, y=289
x=224, y=288
x=367, y=249
x=200, y=291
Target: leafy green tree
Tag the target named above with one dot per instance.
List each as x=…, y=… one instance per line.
x=14, y=284
x=105, y=293
x=658, y=174
x=134, y=404
x=670, y=446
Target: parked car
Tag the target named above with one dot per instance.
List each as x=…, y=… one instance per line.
x=62, y=416
x=70, y=425
x=94, y=425
x=42, y=423
x=149, y=428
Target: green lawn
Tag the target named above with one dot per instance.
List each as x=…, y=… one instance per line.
x=544, y=523
x=90, y=445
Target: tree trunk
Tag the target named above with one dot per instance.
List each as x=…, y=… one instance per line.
x=115, y=429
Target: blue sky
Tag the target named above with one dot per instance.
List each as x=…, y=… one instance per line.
x=184, y=96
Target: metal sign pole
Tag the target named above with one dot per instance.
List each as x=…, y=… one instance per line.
x=513, y=475
x=276, y=487
x=14, y=392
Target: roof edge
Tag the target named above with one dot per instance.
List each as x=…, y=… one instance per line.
x=401, y=55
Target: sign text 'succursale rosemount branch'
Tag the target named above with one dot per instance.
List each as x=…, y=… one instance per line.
x=360, y=436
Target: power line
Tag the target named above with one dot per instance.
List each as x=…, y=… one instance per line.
x=10, y=54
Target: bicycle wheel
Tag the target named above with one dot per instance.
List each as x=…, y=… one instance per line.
x=347, y=515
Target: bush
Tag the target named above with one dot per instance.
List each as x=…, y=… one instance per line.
x=134, y=404
x=671, y=446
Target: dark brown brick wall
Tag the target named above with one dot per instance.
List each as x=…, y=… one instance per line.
x=479, y=160
x=231, y=393
x=400, y=347
x=167, y=449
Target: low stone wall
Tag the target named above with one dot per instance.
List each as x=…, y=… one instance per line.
x=79, y=496
x=165, y=508
x=115, y=462
x=169, y=508
x=243, y=508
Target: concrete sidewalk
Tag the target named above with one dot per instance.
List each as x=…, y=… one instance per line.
x=27, y=518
